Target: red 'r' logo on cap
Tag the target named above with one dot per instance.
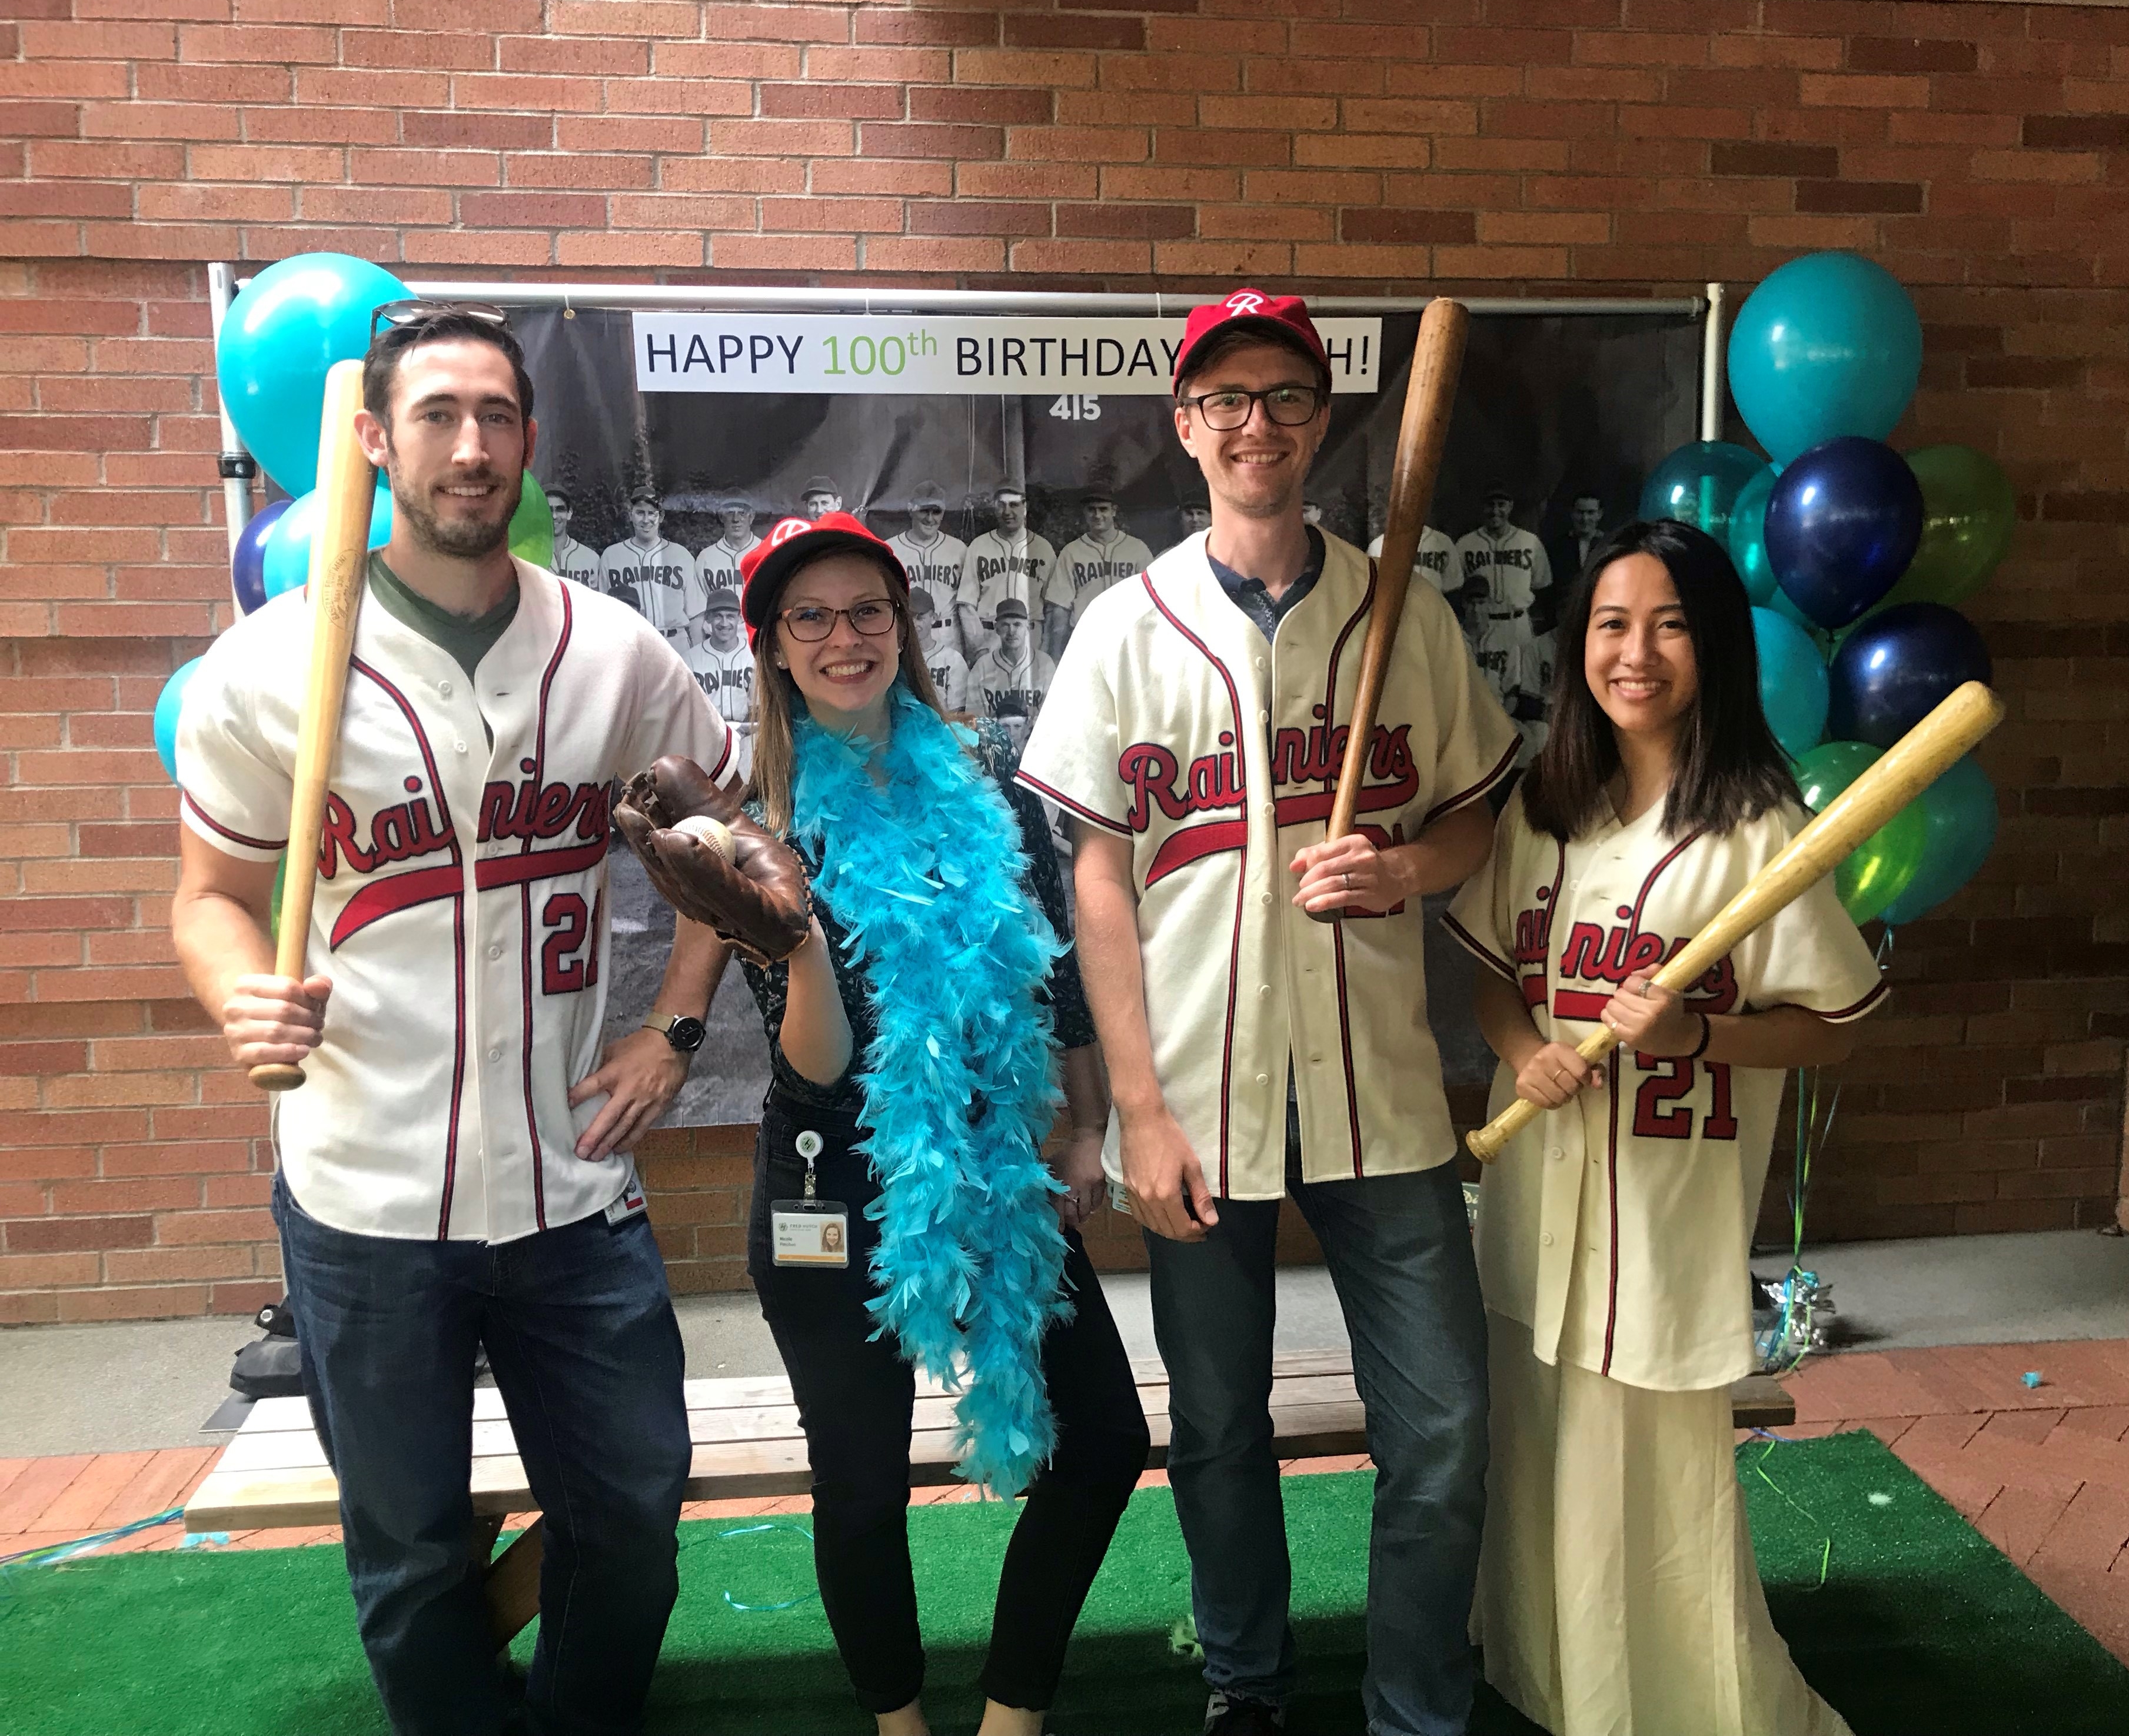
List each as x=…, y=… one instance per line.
x=786, y=529
x=1246, y=301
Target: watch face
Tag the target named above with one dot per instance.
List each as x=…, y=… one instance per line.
x=686, y=1034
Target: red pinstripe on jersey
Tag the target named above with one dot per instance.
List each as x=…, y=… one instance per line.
x=525, y=915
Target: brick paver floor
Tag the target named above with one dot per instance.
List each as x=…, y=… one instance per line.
x=2042, y=1472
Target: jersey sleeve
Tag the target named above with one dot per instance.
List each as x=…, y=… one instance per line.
x=1810, y=954
x=673, y=713
x=968, y=590
x=1540, y=566
x=1481, y=919
x=235, y=787
x=1071, y=752
x=1057, y=590
x=1475, y=742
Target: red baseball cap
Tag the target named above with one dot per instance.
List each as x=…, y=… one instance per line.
x=1282, y=319
x=790, y=544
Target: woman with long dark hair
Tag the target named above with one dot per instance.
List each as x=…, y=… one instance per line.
x=902, y=1213
x=1617, y=1590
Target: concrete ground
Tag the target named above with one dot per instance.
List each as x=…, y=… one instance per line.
x=138, y=1385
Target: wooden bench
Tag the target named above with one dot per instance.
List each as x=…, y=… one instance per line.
x=273, y=1474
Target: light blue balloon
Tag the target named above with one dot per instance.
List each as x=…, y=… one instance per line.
x=1959, y=809
x=1699, y=484
x=1829, y=344
x=293, y=321
x=168, y=704
x=1792, y=682
x=1748, y=539
x=288, y=548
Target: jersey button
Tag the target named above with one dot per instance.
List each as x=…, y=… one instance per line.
x=1264, y=988
x=1264, y=898
x=495, y=1054
x=496, y=952
x=1545, y=1239
x=444, y=689
x=1264, y=1079
x=459, y=746
x=1554, y=1153
x=1264, y=717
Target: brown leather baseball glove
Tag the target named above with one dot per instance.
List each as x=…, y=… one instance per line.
x=758, y=901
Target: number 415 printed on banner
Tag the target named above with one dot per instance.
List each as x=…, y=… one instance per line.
x=1071, y=408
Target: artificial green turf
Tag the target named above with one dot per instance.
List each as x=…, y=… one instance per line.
x=1921, y=1628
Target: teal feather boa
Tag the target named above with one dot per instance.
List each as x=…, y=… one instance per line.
x=925, y=874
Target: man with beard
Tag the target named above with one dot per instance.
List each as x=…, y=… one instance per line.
x=1088, y=565
x=455, y=1174
x=572, y=559
x=1009, y=562
x=658, y=577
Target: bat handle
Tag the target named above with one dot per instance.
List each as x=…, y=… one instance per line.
x=1485, y=1143
x=276, y=1075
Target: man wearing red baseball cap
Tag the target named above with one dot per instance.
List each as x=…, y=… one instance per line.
x=1193, y=731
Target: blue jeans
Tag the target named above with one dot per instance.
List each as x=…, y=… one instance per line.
x=579, y=1331
x=1400, y=1258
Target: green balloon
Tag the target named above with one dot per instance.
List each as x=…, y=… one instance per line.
x=1883, y=864
x=1969, y=514
x=532, y=526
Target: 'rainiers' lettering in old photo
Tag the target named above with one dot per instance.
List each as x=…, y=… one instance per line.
x=656, y=577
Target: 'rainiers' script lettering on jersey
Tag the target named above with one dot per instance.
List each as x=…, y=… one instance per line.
x=1154, y=729
x=661, y=580
x=949, y=675
x=994, y=569
x=933, y=566
x=1512, y=566
x=1086, y=568
x=460, y=909
x=718, y=566
x=1652, y=1184
x=573, y=559
x=1432, y=557
x=726, y=676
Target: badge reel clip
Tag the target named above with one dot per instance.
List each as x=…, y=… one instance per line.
x=811, y=1231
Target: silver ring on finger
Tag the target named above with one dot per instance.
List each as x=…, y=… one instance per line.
x=1348, y=879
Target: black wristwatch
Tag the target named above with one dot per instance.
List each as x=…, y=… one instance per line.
x=685, y=1033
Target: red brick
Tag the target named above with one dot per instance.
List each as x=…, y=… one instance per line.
x=948, y=29
x=998, y=107
x=838, y=102
x=921, y=139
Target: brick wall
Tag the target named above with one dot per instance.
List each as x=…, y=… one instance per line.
x=1497, y=146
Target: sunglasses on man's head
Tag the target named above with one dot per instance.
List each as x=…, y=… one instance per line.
x=419, y=311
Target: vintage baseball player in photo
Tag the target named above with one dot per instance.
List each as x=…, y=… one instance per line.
x=928, y=555
x=1010, y=560
x=941, y=646
x=1502, y=566
x=717, y=567
x=658, y=577
x=723, y=662
x=572, y=559
x=1585, y=529
x=1613, y=1230
x=821, y=496
x=1009, y=681
x=1193, y=732
x=454, y=1174
x=1435, y=552
x=1106, y=554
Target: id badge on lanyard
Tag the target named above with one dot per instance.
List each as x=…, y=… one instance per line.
x=811, y=1231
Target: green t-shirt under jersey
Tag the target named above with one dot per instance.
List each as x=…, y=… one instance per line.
x=467, y=638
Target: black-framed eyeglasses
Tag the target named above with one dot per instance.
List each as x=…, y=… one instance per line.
x=1224, y=411
x=419, y=310
x=809, y=623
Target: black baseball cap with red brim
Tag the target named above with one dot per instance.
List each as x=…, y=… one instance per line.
x=1281, y=319
x=789, y=545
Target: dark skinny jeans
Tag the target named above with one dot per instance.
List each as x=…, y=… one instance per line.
x=855, y=1394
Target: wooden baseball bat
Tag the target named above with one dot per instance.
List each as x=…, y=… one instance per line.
x=1429, y=397
x=1914, y=763
x=339, y=562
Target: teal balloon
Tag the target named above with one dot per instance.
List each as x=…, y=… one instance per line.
x=1959, y=813
x=1970, y=515
x=1792, y=682
x=1789, y=611
x=532, y=525
x=170, y=704
x=288, y=548
x=1884, y=865
x=1827, y=345
x=1699, y=484
x=292, y=321
x=1748, y=539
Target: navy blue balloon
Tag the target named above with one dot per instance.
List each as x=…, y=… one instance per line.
x=247, y=565
x=1896, y=668
x=1843, y=521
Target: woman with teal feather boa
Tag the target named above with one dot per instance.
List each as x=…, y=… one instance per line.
x=910, y=1036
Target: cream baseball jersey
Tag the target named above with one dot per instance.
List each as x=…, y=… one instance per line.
x=933, y=566
x=1086, y=568
x=1617, y=1228
x=662, y=580
x=1512, y=566
x=949, y=675
x=460, y=909
x=718, y=566
x=996, y=567
x=1173, y=724
x=1433, y=557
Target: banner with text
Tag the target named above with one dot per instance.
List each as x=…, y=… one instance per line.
x=902, y=354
